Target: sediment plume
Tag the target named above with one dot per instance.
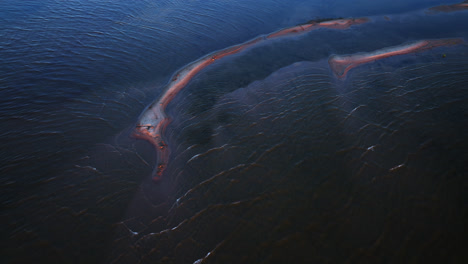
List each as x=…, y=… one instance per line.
x=340, y=65
x=153, y=121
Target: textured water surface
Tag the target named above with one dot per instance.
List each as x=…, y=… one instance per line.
x=273, y=158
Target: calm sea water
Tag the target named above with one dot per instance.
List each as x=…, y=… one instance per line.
x=272, y=157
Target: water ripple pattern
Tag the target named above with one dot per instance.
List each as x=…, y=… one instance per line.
x=273, y=158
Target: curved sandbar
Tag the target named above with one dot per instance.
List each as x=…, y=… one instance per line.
x=153, y=121
x=340, y=65
x=450, y=8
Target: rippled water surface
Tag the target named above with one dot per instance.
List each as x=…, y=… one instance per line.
x=273, y=157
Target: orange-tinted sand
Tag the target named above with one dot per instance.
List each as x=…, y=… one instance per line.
x=340, y=65
x=153, y=122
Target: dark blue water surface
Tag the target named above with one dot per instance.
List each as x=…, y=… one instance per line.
x=273, y=158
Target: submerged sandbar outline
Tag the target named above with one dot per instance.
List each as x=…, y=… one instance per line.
x=153, y=121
